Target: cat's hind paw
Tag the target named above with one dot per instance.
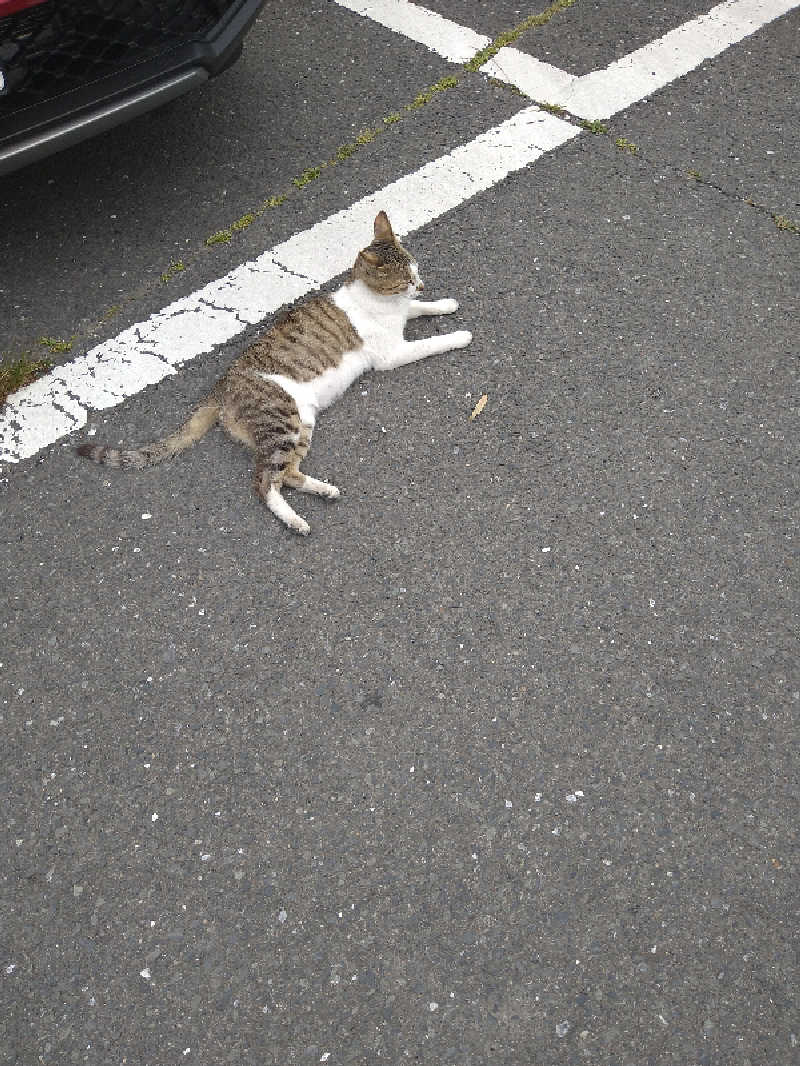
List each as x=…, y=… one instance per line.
x=313, y=485
x=447, y=307
x=281, y=509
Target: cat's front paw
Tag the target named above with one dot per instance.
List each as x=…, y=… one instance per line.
x=448, y=307
x=461, y=338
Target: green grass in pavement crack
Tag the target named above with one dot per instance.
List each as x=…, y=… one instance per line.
x=625, y=145
x=55, y=345
x=428, y=94
x=15, y=373
x=785, y=224
x=307, y=176
x=500, y=84
x=177, y=266
x=593, y=125
x=552, y=109
x=21, y=368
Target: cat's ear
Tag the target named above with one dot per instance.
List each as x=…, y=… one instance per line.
x=383, y=227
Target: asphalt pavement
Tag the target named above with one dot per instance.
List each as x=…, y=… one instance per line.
x=499, y=765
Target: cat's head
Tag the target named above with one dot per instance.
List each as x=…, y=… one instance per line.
x=385, y=266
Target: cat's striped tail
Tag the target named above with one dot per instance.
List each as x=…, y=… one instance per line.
x=195, y=427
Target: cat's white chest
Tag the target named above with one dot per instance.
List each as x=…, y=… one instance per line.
x=378, y=320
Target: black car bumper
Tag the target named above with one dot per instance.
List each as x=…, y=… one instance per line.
x=72, y=68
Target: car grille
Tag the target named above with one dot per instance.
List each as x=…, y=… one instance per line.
x=63, y=45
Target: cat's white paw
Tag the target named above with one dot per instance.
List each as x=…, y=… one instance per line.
x=461, y=338
x=331, y=492
x=448, y=307
x=300, y=526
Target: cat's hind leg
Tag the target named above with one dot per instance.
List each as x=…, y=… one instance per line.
x=294, y=476
x=275, y=467
x=269, y=490
x=303, y=483
x=281, y=441
x=296, y=479
x=281, y=509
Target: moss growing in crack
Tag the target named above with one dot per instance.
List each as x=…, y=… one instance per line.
x=176, y=267
x=552, y=109
x=498, y=83
x=367, y=136
x=593, y=125
x=275, y=201
x=395, y=116
x=220, y=237
x=625, y=145
x=695, y=175
x=425, y=97
x=309, y=174
x=16, y=373
x=55, y=345
x=785, y=224
x=244, y=222
x=344, y=151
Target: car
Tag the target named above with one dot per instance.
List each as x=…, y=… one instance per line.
x=72, y=68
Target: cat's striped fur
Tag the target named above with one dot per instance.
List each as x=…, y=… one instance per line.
x=270, y=396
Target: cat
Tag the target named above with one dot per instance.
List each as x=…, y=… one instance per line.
x=270, y=396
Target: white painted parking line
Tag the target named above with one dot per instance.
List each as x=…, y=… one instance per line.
x=602, y=93
x=448, y=39
x=59, y=403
